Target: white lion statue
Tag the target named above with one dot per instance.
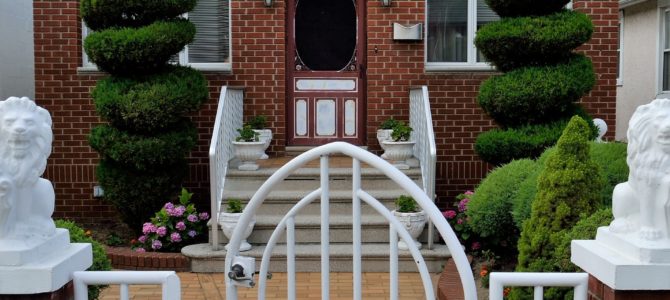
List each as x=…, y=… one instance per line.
x=26, y=200
x=642, y=204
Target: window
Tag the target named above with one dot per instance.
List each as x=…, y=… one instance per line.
x=451, y=32
x=619, y=53
x=210, y=49
x=665, y=52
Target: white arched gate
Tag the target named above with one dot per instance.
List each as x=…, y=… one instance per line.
x=240, y=269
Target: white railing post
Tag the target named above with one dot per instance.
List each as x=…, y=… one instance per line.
x=421, y=120
x=228, y=118
x=169, y=281
x=498, y=280
x=325, y=229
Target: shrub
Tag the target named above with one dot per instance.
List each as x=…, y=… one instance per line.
x=101, y=14
x=389, y=123
x=258, y=122
x=173, y=227
x=406, y=204
x=499, y=146
x=401, y=132
x=534, y=95
x=143, y=152
x=247, y=134
x=129, y=51
x=234, y=206
x=150, y=103
x=515, y=8
x=568, y=188
x=490, y=207
x=138, y=194
x=100, y=260
x=546, y=40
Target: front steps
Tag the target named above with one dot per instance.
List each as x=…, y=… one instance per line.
x=375, y=233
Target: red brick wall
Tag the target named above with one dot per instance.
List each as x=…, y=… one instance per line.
x=259, y=66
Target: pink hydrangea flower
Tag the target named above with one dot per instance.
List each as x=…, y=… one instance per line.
x=476, y=246
x=192, y=218
x=148, y=228
x=141, y=250
x=463, y=205
x=192, y=233
x=469, y=193
x=460, y=221
x=203, y=216
x=161, y=231
x=180, y=225
x=142, y=239
x=175, y=237
x=156, y=244
x=449, y=214
x=169, y=206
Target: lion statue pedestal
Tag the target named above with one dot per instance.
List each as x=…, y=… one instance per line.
x=633, y=252
x=35, y=257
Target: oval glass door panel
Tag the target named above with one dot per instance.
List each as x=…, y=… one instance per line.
x=325, y=33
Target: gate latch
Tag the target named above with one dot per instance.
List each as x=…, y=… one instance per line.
x=242, y=271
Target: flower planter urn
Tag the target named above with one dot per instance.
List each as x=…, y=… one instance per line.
x=383, y=135
x=228, y=222
x=399, y=152
x=414, y=222
x=264, y=135
x=248, y=153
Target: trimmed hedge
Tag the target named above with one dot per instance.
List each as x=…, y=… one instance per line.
x=148, y=103
x=100, y=260
x=129, y=51
x=536, y=94
x=143, y=152
x=102, y=14
x=515, y=8
x=546, y=40
x=138, y=195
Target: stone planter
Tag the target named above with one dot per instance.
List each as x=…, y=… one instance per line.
x=228, y=222
x=248, y=153
x=399, y=152
x=383, y=135
x=264, y=135
x=414, y=222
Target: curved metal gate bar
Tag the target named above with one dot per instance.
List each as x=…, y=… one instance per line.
x=398, y=177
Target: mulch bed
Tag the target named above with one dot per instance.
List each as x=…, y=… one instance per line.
x=126, y=259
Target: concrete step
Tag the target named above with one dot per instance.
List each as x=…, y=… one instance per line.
x=374, y=229
x=314, y=172
x=375, y=257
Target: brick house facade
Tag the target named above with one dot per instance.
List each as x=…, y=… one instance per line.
x=259, y=65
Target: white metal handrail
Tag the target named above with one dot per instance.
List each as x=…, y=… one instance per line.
x=498, y=280
x=358, y=155
x=421, y=121
x=228, y=118
x=168, y=280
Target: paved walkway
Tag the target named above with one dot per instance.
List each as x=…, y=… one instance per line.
x=210, y=286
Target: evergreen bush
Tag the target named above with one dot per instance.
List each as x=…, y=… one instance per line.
x=152, y=102
x=535, y=95
x=102, y=14
x=568, y=188
x=546, y=40
x=147, y=49
x=100, y=260
x=516, y=8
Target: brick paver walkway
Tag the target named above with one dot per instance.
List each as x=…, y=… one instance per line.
x=205, y=286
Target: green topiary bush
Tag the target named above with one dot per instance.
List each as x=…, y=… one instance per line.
x=101, y=14
x=546, y=40
x=150, y=103
x=568, y=188
x=143, y=50
x=535, y=95
x=516, y=8
x=144, y=152
x=489, y=209
x=100, y=260
x=138, y=194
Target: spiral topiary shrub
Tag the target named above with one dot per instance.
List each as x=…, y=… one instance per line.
x=146, y=101
x=102, y=14
x=543, y=78
x=138, y=50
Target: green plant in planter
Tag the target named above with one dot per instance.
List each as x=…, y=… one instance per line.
x=406, y=204
x=389, y=123
x=258, y=122
x=234, y=206
x=247, y=134
x=401, y=132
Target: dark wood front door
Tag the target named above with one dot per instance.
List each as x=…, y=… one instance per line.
x=325, y=72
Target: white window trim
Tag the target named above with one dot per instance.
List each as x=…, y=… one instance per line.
x=88, y=66
x=619, y=80
x=660, y=42
x=471, y=64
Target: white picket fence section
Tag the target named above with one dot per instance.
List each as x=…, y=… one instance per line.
x=168, y=280
x=228, y=119
x=421, y=121
x=358, y=155
x=498, y=281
